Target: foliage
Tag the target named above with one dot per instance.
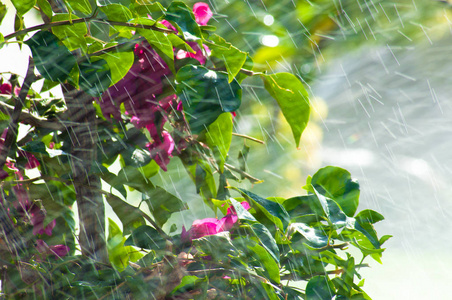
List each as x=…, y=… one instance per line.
x=145, y=82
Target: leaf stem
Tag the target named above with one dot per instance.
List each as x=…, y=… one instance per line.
x=248, y=137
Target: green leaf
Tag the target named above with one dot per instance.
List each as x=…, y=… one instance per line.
x=233, y=58
x=132, y=177
x=95, y=76
x=187, y=282
x=218, y=138
x=146, y=9
x=266, y=240
x=119, y=63
x=315, y=237
x=292, y=98
x=129, y=215
x=273, y=210
x=206, y=94
x=369, y=216
x=241, y=212
x=179, y=43
x=22, y=6
x=179, y=13
x=83, y=6
x=117, y=12
x=319, y=288
x=161, y=43
x=52, y=59
x=3, y=10
x=332, y=211
x=71, y=35
x=163, y=204
x=209, y=245
x=146, y=237
x=336, y=183
x=262, y=256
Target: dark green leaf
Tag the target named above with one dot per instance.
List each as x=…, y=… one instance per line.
x=134, y=178
x=163, y=204
x=319, y=288
x=292, y=98
x=53, y=60
x=179, y=13
x=206, y=94
x=209, y=245
x=146, y=237
x=95, y=76
x=218, y=138
x=316, y=237
x=129, y=215
x=266, y=240
x=241, y=212
x=337, y=184
x=368, y=230
x=22, y=6
x=273, y=210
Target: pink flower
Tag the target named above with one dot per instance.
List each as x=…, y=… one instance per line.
x=202, y=13
x=5, y=88
x=162, y=149
x=57, y=250
x=210, y=226
x=32, y=161
x=198, y=55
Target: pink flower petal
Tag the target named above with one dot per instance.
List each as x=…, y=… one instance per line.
x=202, y=13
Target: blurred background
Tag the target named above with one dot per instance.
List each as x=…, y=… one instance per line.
x=378, y=73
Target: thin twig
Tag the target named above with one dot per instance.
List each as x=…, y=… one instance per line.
x=30, y=119
x=248, y=137
x=243, y=173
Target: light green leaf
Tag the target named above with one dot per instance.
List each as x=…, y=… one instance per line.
x=22, y=6
x=292, y=98
x=161, y=43
x=232, y=57
x=83, y=6
x=119, y=63
x=218, y=138
x=71, y=35
x=3, y=10
x=117, y=12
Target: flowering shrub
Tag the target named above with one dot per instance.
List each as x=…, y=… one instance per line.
x=145, y=85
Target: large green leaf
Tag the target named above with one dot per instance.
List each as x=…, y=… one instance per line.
x=319, y=288
x=233, y=59
x=273, y=210
x=129, y=215
x=132, y=177
x=206, y=94
x=117, y=12
x=22, y=6
x=336, y=183
x=179, y=13
x=52, y=59
x=292, y=98
x=163, y=204
x=119, y=63
x=71, y=35
x=218, y=138
x=95, y=76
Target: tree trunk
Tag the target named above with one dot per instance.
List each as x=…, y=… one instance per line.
x=87, y=186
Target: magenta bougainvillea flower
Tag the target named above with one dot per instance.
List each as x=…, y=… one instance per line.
x=57, y=250
x=210, y=226
x=140, y=88
x=202, y=13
